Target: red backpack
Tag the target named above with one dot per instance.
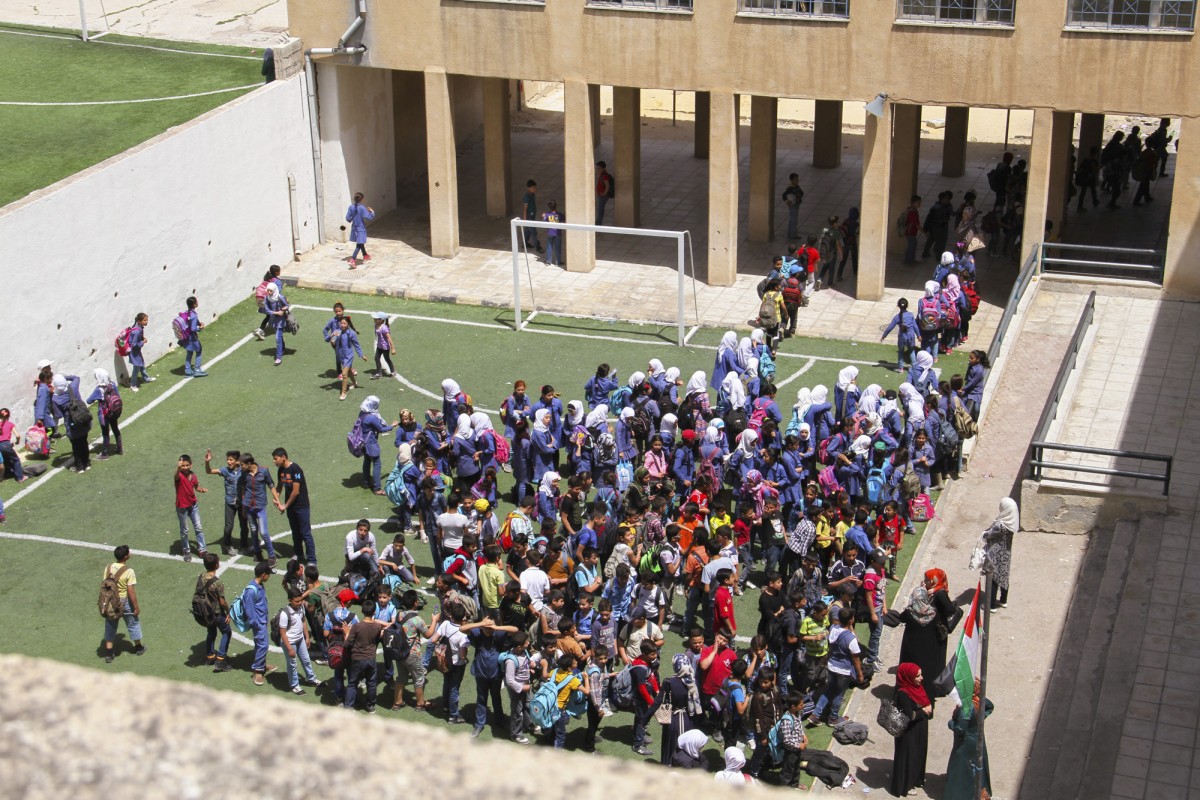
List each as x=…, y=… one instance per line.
x=122, y=342
x=972, y=296
x=792, y=290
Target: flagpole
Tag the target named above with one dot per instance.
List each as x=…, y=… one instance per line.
x=981, y=747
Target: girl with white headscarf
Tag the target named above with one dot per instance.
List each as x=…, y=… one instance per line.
x=997, y=544
x=687, y=750
x=542, y=444
x=726, y=360
x=671, y=394
x=108, y=404
x=752, y=380
x=636, y=379
x=820, y=414
x=734, y=762
x=465, y=454
x=275, y=306
x=668, y=430
x=548, y=495
x=65, y=387
x=452, y=398
x=597, y=420
x=485, y=439
x=372, y=426
x=852, y=465
x=932, y=304
x=846, y=393
x=745, y=352
x=574, y=436
x=626, y=446
x=733, y=393
x=803, y=402
x=698, y=407
x=656, y=376
x=745, y=456
x=922, y=375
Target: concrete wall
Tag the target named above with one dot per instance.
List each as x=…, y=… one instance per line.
x=202, y=210
x=1034, y=64
x=408, y=108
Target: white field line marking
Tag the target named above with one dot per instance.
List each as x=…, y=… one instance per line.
x=434, y=395
x=643, y=342
x=136, y=415
x=796, y=374
x=137, y=100
x=131, y=44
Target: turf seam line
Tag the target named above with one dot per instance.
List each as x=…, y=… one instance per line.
x=129, y=102
x=131, y=44
x=137, y=414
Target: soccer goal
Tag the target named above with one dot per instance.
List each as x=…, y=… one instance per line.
x=684, y=258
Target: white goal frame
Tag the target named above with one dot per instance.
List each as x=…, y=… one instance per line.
x=683, y=251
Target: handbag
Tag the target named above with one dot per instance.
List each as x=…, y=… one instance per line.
x=665, y=710
x=978, y=556
x=891, y=718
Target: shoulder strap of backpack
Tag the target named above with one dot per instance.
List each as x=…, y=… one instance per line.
x=116, y=576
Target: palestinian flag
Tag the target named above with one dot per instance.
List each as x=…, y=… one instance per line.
x=967, y=660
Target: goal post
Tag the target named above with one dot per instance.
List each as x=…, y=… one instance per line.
x=682, y=249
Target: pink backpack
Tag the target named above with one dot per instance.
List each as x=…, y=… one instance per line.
x=36, y=440
x=920, y=508
x=758, y=414
x=503, y=450
x=827, y=482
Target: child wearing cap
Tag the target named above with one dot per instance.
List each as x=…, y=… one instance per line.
x=385, y=348
x=337, y=625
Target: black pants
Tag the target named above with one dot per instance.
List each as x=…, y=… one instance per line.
x=363, y=669
x=235, y=512
x=593, y=726
x=382, y=355
x=999, y=594
x=79, y=449
x=789, y=774
x=107, y=426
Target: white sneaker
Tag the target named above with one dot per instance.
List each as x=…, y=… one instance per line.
x=149, y=379
x=258, y=334
x=133, y=388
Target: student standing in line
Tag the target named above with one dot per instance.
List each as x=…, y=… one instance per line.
x=372, y=426
x=210, y=584
x=191, y=341
x=254, y=601
x=358, y=216
x=137, y=362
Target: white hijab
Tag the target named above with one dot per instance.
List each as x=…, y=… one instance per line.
x=907, y=393
x=462, y=428
x=450, y=389
x=541, y=420
x=758, y=336
x=102, y=377
x=931, y=289
x=861, y=446
x=597, y=418
x=868, y=404
x=752, y=367
x=370, y=405
x=60, y=384
x=697, y=383
x=272, y=292
x=656, y=368
x=745, y=351
x=728, y=343
x=667, y=428
x=692, y=742
x=712, y=434
x=925, y=362
x=734, y=762
x=636, y=379
x=404, y=454
x=673, y=374
x=1010, y=516
x=873, y=390
x=547, y=485
x=803, y=401
x=734, y=390
x=746, y=441
x=846, y=377
x=820, y=394
x=574, y=413
x=627, y=413
x=481, y=422
x=805, y=428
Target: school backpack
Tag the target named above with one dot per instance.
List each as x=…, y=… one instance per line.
x=972, y=297
x=36, y=440
x=290, y=323
x=639, y=423
x=504, y=535
x=920, y=508
x=793, y=426
x=605, y=186
x=181, y=325
x=827, y=482
x=396, y=487
x=543, y=706
x=356, y=442
x=827, y=246
x=996, y=181
x=929, y=315
x=111, y=403
x=621, y=689
x=260, y=293
x=624, y=475
x=619, y=398
x=122, y=342
x=650, y=560
x=875, y=485
x=78, y=413
x=766, y=367
x=335, y=652
x=823, y=449
x=326, y=602
x=396, y=644
x=775, y=739
x=204, y=609
x=110, y=604
x=910, y=484
x=964, y=424
x=851, y=732
x=758, y=414
x=792, y=290
x=902, y=223
x=276, y=637
x=237, y=615
x=503, y=449
x=947, y=436
x=768, y=312
x=951, y=315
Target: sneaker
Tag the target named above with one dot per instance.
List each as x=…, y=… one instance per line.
x=642, y=750
x=226, y=550
x=133, y=388
x=271, y=563
x=210, y=660
x=520, y=739
x=140, y=650
x=149, y=379
x=455, y=720
x=102, y=457
x=259, y=680
x=366, y=257
x=278, y=361
x=371, y=710
x=200, y=374
x=187, y=557
x=297, y=690
x=108, y=657
x=320, y=662
x=478, y=729
x=430, y=582
x=313, y=684
x=751, y=585
x=342, y=396
x=258, y=334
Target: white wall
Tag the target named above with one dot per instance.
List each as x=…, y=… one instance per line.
x=202, y=210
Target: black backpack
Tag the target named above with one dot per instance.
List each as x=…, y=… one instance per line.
x=276, y=637
x=396, y=644
x=78, y=413
x=205, y=610
x=639, y=423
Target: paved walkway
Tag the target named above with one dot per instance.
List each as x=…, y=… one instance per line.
x=1020, y=673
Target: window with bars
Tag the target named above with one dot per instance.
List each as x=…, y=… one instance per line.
x=797, y=8
x=666, y=5
x=1146, y=14
x=958, y=12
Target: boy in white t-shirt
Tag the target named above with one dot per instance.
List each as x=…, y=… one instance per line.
x=293, y=636
x=534, y=581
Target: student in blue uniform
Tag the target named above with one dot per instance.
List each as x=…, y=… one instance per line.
x=191, y=343
x=276, y=307
x=907, y=334
x=922, y=376
x=358, y=215
x=516, y=412
x=453, y=402
x=846, y=393
x=345, y=345
x=106, y=386
x=820, y=414
x=372, y=426
x=543, y=446
x=464, y=455
x=137, y=362
x=331, y=330
x=600, y=385
x=726, y=360
x=972, y=391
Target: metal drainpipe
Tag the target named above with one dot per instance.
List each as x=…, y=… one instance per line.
x=314, y=128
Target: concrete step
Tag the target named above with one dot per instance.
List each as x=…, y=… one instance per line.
x=1120, y=667
x=1050, y=736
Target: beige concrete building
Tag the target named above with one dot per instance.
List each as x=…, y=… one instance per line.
x=436, y=73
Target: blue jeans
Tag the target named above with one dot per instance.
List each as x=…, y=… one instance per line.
x=257, y=519
x=279, y=339
x=560, y=730
x=262, y=640
x=191, y=360
x=905, y=356
x=876, y=635
x=832, y=694
x=132, y=625
x=370, y=471
x=450, y=685
x=485, y=688
x=553, y=250
x=302, y=656
x=302, y=539
x=910, y=249
x=745, y=562
x=193, y=513
x=222, y=627
x=361, y=670
x=12, y=462
x=134, y=372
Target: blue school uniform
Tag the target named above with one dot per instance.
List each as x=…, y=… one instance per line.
x=626, y=450
x=406, y=435
x=972, y=390
x=98, y=395
x=838, y=443
x=845, y=404
x=485, y=445
x=372, y=426
x=658, y=384
x=58, y=407
x=41, y=406
x=346, y=347
x=137, y=340
x=793, y=465
x=192, y=342
x=556, y=416
x=820, y=417
x=724, y=365
x=778, y=473
x=462, y=451
x=547, y=506
x=852, y=476
x=926, y=386
x=597, y=390
x=753, y=389
x=450, y=410
x=358, y=216
x=683, y=468
x=275, y=311
x=885, y=436
x=742, y=464
x=514, y=409
x=908, y=332
x=433, y=443
x=922, y=470
x=542, y=446
x=894, y=423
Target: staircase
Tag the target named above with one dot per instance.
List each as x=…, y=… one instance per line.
x=1079, y=728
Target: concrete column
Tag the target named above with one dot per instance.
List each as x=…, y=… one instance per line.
x=1181, y=275
x=722, y=190
x=905, y=162
x=764, y=115
x=497, y=140
x=876, y=222
x=954, y=145
x=1046, y=195
x=627, y=155
x=1091, y=133
x=580, y=174
x=827, y=134
x=702, y=103
x=594, y=102
x=443, y=165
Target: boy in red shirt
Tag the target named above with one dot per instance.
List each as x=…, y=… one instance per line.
x=724, y=621
x=716, y=665
x=891, y=526
x=186, y=486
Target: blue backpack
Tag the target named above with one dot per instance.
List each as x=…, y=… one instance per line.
x=619, y=398
x=543, y=706
x=237, y=616
x=624, y=475
x=397, y=488
x=775, y=740
x=766, y=366
x=793, y=426
x=875, y=485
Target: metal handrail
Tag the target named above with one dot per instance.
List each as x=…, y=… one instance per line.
x=1147, y=251
x=1152, y=261
x=1028, y=270
x=1040, y=443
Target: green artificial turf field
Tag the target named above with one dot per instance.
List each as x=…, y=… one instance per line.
x=61, y=528
x=44, y=144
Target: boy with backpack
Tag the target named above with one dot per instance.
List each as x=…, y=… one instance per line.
x=294, y=638
x=118, y=597
x=643, y=676
x=187, y=327
x=766, y=709
x=361, y=644
x=518, y=667
x=212, y=610
x=596, y=677
x=338, y=623
x=735, y=703
x=552, y=702
x=790, y=740
x=254, y=606
x=772, y=313
x=402, y=644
